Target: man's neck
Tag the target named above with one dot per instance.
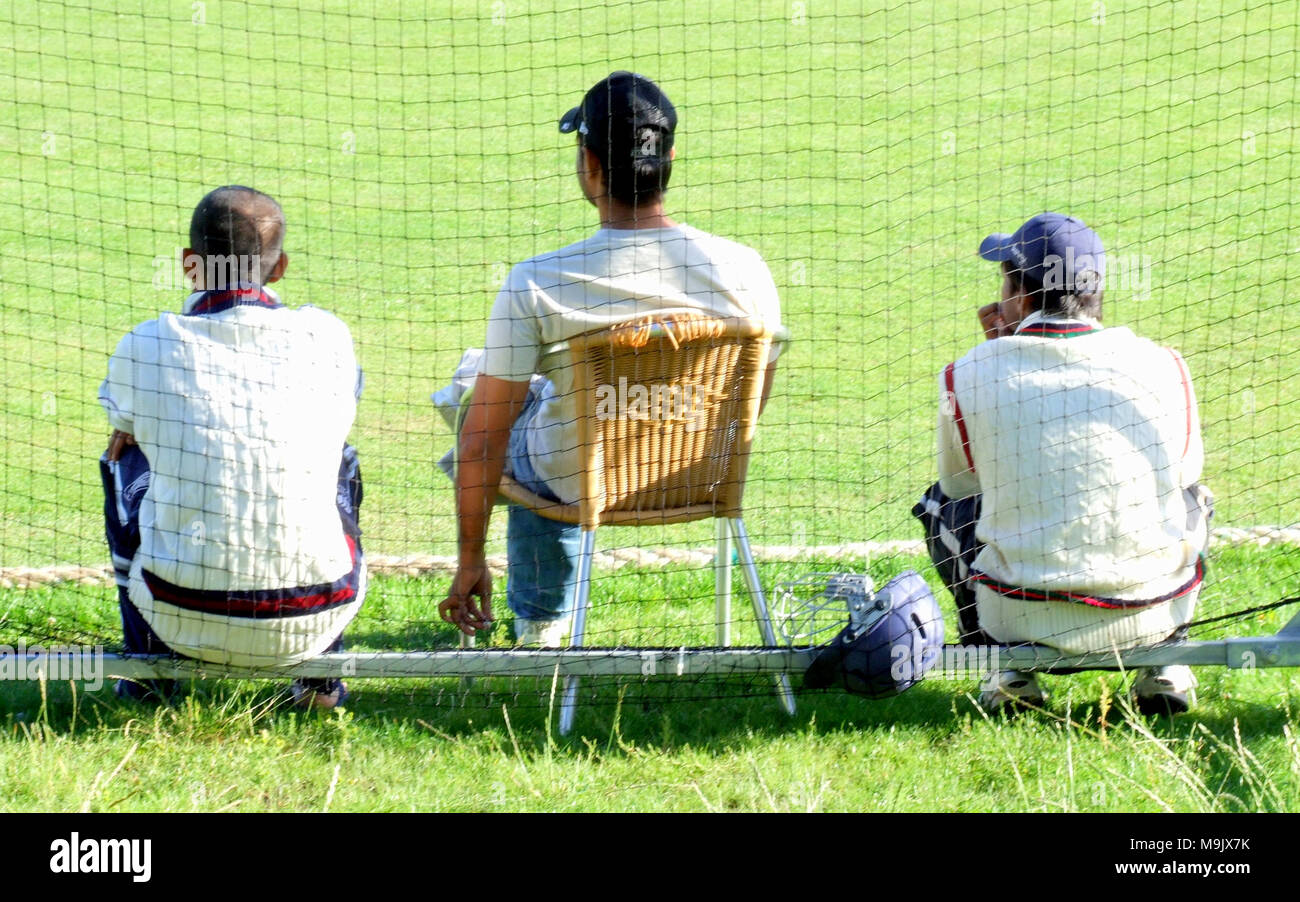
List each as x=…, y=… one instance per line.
x=208, y=300
x=1038, y=319
x=614, y=215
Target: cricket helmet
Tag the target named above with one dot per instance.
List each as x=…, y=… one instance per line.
x=892, y=639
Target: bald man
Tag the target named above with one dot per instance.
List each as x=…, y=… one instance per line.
x=231, y=495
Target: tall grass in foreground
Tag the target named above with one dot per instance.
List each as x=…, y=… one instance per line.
x=236, y=747
x=657, y=744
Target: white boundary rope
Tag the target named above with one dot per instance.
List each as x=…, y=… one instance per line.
x=616, y=559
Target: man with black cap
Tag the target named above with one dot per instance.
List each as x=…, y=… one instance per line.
x=639, y=262
x=1068, y=510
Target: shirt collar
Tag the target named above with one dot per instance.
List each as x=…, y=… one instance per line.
x=1045, y=326
x=244, y=294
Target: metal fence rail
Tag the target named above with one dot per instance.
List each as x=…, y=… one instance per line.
x=1245, y=653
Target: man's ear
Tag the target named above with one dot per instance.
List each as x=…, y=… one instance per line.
x=1026, y=305
x=672, y=154
x=278, y=271
x=591, y=163
x=192, y=268
x=590, y=174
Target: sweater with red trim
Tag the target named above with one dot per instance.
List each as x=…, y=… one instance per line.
x=1081, y=441
x=242, y=407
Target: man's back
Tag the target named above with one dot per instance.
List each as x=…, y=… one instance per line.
x=618, y=275
x=242, y=415
x=614, y=276
x=1083, y=443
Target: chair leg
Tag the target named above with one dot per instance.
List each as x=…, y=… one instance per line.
x=466, y=682
x=569, y=702
x=722, y=582
x=784, y=692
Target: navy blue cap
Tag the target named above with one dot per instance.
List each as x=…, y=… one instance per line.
x=1052, y=251
x=624, y=115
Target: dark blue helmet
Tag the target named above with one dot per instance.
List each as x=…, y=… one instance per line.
x=893, y=638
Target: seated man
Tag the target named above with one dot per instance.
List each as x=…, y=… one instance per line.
x=231, y=496
x=638, y=263
x=1068, y=510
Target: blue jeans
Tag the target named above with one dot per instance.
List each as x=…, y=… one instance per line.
x=542, y=554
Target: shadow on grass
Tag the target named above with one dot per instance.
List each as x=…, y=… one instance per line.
x=616, y=715
x=665, y=713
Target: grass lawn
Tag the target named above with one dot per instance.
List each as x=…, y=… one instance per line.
x=658, y=744
x=863, y=151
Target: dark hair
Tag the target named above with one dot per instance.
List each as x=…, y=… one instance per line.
x=1054, y=301
x=239, y=225
x=637, y=166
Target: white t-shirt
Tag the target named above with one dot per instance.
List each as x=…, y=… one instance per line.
x=1081, y=441
x=242, y=415
x=614, y=276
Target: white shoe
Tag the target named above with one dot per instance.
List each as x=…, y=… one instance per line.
x=543, y=633
x=1164, y=690
x=1010, y=690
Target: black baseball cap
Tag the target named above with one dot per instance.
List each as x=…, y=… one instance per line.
x=624, y=115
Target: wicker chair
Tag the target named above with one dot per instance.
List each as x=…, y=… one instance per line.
x=684, y=460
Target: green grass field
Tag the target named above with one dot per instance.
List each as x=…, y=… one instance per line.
x=864, y=152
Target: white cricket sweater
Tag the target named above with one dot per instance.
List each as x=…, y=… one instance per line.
x=242, y=413
x=1081, y=441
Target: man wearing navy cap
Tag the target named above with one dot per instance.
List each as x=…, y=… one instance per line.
x=1068, y=510
x=638, y=262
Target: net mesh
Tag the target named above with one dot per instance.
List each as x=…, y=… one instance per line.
x=862, y=152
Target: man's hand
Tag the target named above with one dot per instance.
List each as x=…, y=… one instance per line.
x=998, y=319
x=117, y=443
x=460, y=608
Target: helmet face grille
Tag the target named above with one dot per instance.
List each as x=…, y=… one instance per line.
x=812, y=609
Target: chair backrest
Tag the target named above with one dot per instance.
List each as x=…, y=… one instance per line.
x=668, y=407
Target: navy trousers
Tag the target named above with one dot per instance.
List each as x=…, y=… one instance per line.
x=950, y=539
x=125, y=482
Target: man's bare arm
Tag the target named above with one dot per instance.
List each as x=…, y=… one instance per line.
x=481, y=457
